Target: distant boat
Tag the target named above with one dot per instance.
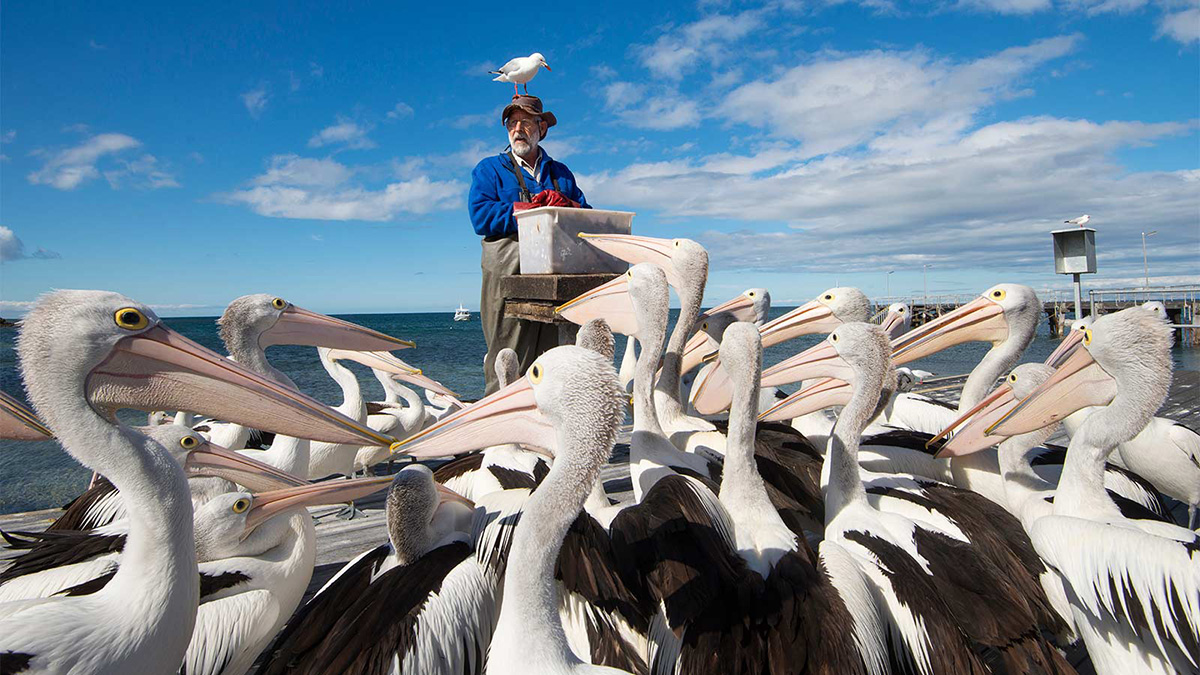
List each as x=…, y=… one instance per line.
x=462, y=313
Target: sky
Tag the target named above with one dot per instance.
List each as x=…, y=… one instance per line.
x=185, y=156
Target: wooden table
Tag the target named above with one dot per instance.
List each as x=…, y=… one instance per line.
x=533, y=297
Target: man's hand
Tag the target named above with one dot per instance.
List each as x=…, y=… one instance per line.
x=546, y=198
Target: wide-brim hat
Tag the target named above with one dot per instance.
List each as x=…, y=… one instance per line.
x=531, y=105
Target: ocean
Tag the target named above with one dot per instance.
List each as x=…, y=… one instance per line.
x=40, y=475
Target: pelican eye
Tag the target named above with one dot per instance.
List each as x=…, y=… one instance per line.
x=900, y=310
x=704, y=326
x=676, y=242
x=241, y=505
x=629, y=274
x=279, y=303
x=535, y=373
x=130, y=318
x=1012, y=377
x=997, y=294
x=188, y=442
x=1087, y=336
x=833, y=337
x=827, y=297
x=751, y=294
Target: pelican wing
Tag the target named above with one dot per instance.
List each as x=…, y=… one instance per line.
x=228, y=629
x=1150, y=582
x=99, y=505
x=58, y=561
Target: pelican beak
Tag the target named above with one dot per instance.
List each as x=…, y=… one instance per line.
x=1078, y=383
x=214, y=460
x=741, y=307
x=159, y=369
x=448, y=495
x=817, y=396
x=970, y=436
x=19, y=423
x=510, y=415
x=390, y=364
x=701, y=347
x=820, y=360
x=712, y=391
x=978, y=320
x=1065, y=348
x=268, y=504
x=610, y=301
x=297, y=326
x=892, y=323
x=811, y=317
x=635, y=249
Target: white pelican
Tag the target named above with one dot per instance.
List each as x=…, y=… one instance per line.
x=391, y=416
x=568, y=402
x=752, y=305
x=1134, y=586
x=83, y=352
x=421, y=603
x=946, y=582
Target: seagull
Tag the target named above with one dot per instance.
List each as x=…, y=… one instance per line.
x=520, y=71
x=1080, y=221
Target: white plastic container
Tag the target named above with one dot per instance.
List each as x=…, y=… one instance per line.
x=550, y=244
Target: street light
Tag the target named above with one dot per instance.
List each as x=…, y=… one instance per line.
x=888, y=282
x=1145, y=264
x=925, y=283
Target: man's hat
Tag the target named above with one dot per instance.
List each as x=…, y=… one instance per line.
x=531, y=105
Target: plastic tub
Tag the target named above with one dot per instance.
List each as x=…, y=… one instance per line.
x=550, y=244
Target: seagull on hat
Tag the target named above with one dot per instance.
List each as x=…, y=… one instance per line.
x=520, y=71
x=1080, y=221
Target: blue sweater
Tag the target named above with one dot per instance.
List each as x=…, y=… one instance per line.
x=494, y=188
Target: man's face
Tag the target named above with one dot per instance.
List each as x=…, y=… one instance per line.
x=524, y=132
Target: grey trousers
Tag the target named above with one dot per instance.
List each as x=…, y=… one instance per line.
x=527, y=338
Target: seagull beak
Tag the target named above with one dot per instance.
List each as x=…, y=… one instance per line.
x=1065, y=348
x=816, y=396
x=297, y=326
x=970, y=436
x=510, y=415
x=268, y=504
x=820, y=360
x=545, y=65
x=1078, y=383
x=610, y=301
x=19, y=423
x=978, y=320
x=216, y=461
x=812, y=317
x=159, y=369
x=635, y=249
x=394, y=366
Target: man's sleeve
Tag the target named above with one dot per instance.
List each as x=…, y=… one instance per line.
x=490, y=216
x=574, y=193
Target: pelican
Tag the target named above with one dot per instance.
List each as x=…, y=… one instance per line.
x=932, y=583
x=421, y=603
x=58, y=560
x=1134, y=586
x=752, y=305
x=569, y=402
x=390, y=416
x=83, y=352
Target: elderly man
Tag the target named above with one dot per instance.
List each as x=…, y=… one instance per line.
x=519, y=173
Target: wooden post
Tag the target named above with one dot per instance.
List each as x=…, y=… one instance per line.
x=533, y=297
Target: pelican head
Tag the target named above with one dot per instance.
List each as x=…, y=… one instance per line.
x=508, y=366
x=381, y=361
x=200, y=458
x=1126, y=355
x=263, y=320
x=1003, y=313
x=423, y=514
x=568, y=389
x=684, y=261
x=969, y=430
x=598, y=337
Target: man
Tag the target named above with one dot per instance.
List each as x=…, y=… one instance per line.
x=515, y=175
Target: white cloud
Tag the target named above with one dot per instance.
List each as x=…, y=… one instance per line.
x=316, y=70
x=344, y=132
x=400, y=111
x=1007, y=6
x=9, y=136
x=695, y=45
x=662, y=110
x=321, y=189
x=839, y=101
x=986, y=197
x=12, y=248
x=70, y=168
x=255, y=101
x=1181, y=26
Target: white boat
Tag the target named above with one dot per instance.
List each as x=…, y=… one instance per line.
x=462, y=313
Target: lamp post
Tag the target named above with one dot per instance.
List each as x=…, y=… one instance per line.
x=925, y=283
x=888, y=283
x=1145, y=264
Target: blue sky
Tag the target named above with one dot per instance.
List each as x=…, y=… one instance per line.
x=188, y=155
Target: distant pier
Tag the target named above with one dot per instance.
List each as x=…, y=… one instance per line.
x=1182, y=304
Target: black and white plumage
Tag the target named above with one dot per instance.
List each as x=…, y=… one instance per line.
x=1134, y=586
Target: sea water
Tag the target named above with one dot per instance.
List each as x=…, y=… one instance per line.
x=38, y=475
